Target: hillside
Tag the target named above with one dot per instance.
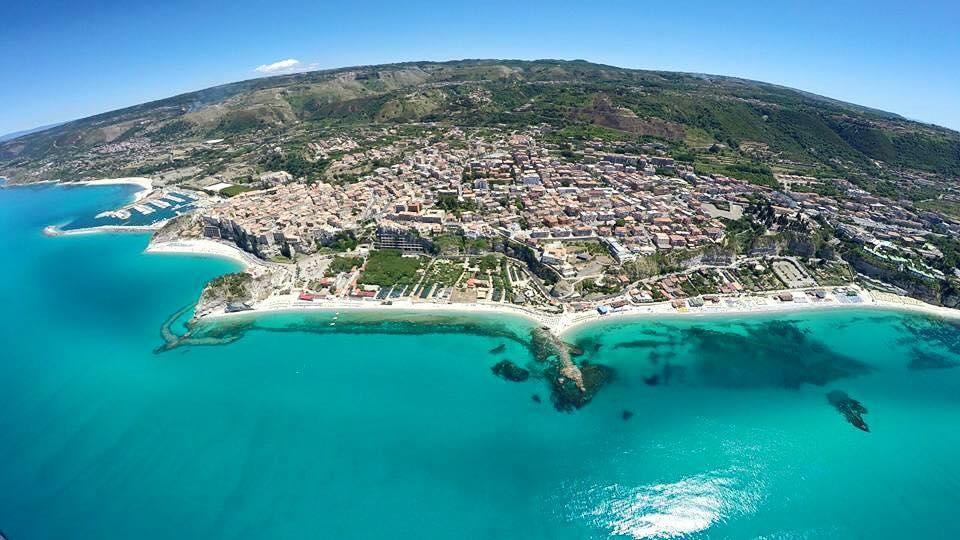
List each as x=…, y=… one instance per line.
x=722, y=124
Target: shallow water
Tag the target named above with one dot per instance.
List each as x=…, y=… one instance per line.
x=377, y=427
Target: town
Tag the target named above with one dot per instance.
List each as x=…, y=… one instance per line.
x=451, y=215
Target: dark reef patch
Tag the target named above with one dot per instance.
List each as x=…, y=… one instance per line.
x=536, y=398
x=585, y=345
x=644, y=344
x=769, y=354
x=652, y=380
x=923, y=360
x=941, y=332
x=672, y=372
x=626, y=415
x=567, y=396
x=850, y=408
x=505, y=369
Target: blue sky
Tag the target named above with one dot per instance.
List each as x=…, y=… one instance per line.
x=65, y=60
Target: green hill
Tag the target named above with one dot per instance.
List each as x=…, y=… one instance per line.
x=755, y=123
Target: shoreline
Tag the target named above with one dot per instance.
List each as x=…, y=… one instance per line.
x=202, y=248
x=564, y=324
x=665, y=311
x=146, y=189
x=145, y=184
x=559, y=324
x=290, y=304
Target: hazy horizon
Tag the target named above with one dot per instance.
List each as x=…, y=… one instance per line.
x=75, y=62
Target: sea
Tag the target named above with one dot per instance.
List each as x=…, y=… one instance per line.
x=338, y=425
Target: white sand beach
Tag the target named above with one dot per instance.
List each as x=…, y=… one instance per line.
x=561, y=324
x=204, y=248
x=145, y=184
x=766, y=302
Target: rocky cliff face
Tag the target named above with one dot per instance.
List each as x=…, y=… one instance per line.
x=183, y=226
x=941, y=293
x=221, y=291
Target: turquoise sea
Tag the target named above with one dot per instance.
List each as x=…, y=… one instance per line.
x=385, y=428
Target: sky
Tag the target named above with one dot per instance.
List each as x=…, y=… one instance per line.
x=65, y=60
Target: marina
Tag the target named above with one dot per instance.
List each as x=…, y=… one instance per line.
x=150, y=209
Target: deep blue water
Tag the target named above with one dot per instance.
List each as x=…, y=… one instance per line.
x=381, y=428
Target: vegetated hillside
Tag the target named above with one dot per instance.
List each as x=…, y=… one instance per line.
x=764, y=123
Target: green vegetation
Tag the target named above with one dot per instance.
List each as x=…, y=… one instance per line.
x=235, y=190
x=231, y=287
x=341, y=241
x=451, y=203
x=488, y=263
x=386, y=267
x=294, y=163
x=590, y=286
x=743, y=233
x=341, y=263
x=443, y=272
x=758, y=174
x=578, y=100
x=454, y=244
x=941, y=206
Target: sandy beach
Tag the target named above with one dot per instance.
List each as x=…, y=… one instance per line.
x=204, y=248
x=559, y=323
x=562, y=324
x=146, y=185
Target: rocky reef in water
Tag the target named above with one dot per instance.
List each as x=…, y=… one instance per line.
x=769, y=354
x=850, y=408
x=942, y=334
x=543, y=344
x=498, y=349
x=505, y=369
x=922, y=360
x=567, y=395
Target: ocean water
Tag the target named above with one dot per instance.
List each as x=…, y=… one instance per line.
x=394, y=427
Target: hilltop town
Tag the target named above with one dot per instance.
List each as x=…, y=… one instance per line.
x=450, y=215
x=552, y=186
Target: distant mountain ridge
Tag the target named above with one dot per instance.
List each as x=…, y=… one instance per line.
x=582, y=98
x=16, y=134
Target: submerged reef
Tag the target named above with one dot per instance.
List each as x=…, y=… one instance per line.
x=505, y=369
x=769, y=354
x=942, y=333
x=922, y=360
x=850, y=408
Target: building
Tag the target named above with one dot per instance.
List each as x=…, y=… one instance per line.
x=393, y=237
